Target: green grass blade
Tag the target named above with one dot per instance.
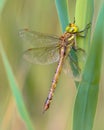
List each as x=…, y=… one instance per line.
x=15, y=90
x=83, y=16
x=84, y=12
x=86, y=99
x=2, y=3
x=62, y=10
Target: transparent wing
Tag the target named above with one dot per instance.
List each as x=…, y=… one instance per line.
x=75, y=58
x=44, y=55
x=40, y=48
x=80, y=54
x=72, y=69
x=67, y=69
x=35, y=39
x=72, y=64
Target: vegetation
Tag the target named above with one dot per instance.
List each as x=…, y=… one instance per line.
x=23, y=88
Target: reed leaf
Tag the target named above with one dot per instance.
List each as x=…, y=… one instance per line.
x=87, y=96
x=15, y=91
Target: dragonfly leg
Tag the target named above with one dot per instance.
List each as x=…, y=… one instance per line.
x=85, y=30
x=78, y=49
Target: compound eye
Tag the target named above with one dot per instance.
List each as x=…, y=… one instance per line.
x=72, y=28
x=75, y=29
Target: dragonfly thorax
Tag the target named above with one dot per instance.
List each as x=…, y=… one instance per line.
x=67, y=39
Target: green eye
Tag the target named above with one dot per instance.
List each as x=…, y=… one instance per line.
x=72, y=28
x=75, y=29
x=67, y=29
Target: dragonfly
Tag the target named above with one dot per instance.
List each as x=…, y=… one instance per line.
x=47, y=49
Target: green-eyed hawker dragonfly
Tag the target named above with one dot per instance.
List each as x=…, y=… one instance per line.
x=46, y=49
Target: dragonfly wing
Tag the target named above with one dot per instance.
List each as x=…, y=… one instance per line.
x=67, y=69
x=36, y=39
x=71, y=65
x=74, y=64
x=81, y=55
x=42, y=55
x=71, y=72
x=40, y=48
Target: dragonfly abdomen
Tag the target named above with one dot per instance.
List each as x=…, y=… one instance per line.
x=55, y=79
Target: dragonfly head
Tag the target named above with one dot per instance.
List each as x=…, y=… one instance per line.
x=72, y=28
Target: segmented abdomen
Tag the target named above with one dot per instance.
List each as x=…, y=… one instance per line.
x=55, y=78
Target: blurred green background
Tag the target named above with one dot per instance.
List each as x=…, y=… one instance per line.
x=34, y=80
